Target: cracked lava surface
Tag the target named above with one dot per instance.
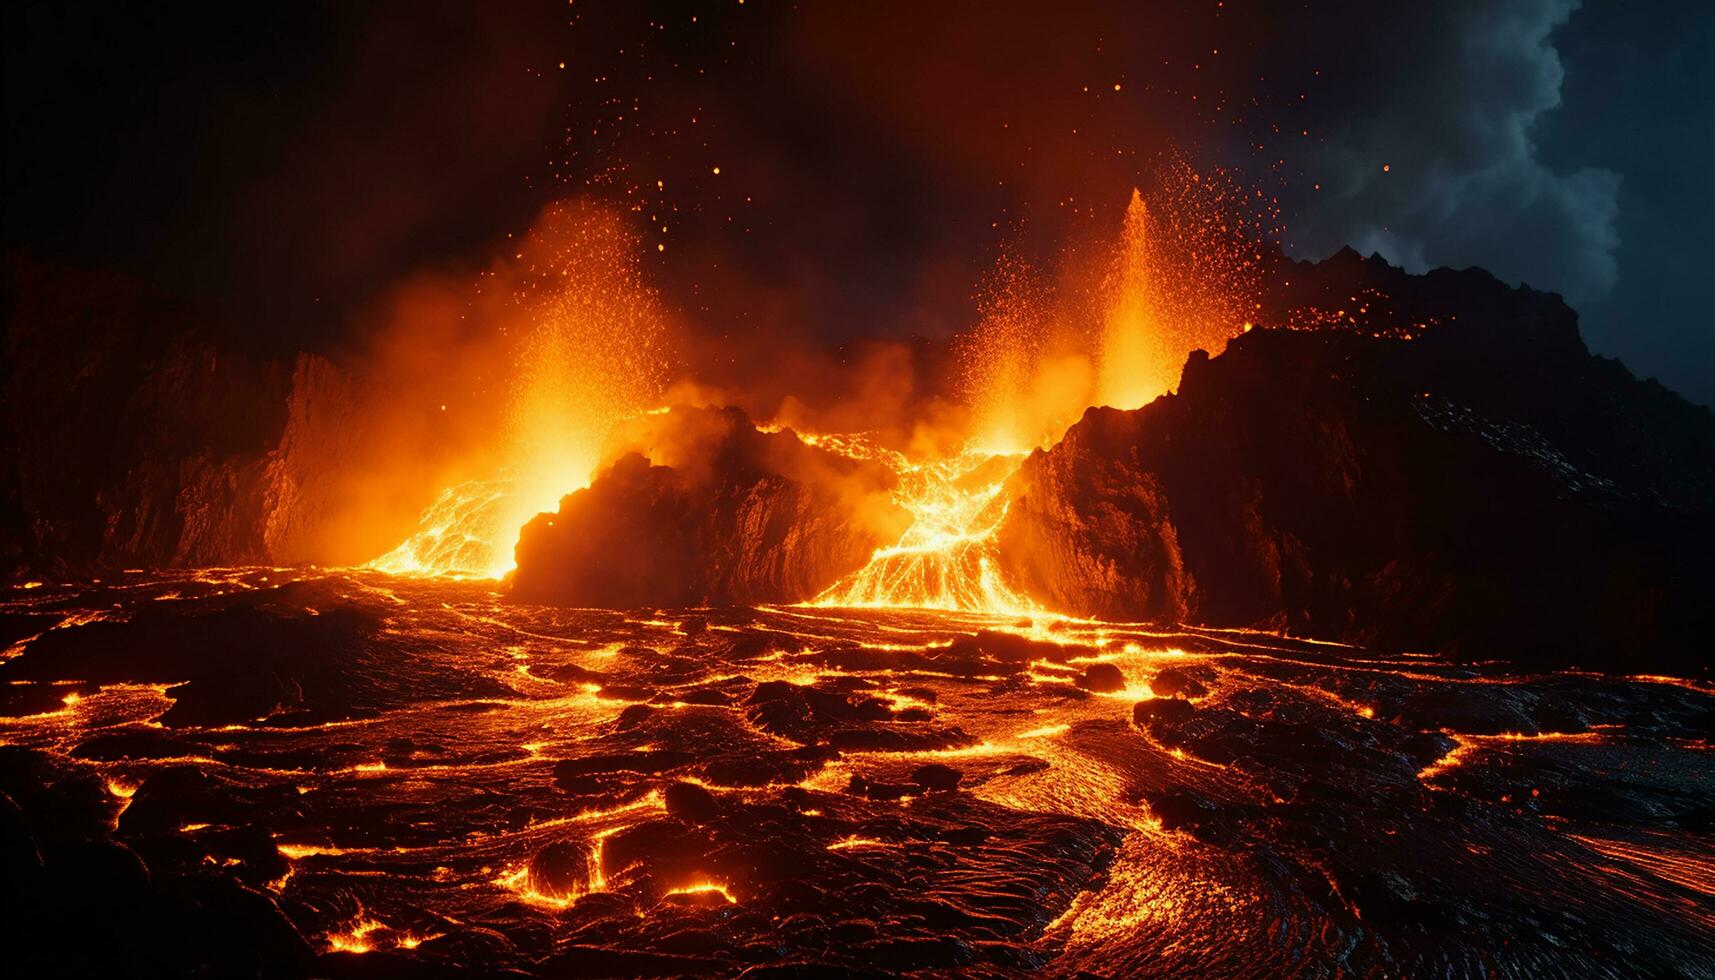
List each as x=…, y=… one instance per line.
x=423, y=778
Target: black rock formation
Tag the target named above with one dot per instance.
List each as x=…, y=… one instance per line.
x=734, y=516
x=1487, y=487
x=129, y=440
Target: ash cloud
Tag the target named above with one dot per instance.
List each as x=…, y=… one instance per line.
x=1447, y=99
x=298, y=166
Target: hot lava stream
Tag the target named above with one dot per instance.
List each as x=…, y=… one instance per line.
x=414, y=768
x=945, y=558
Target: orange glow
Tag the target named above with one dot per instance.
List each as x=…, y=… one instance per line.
x=1024, y=383
x=1134, y=369
x=848, y=843
x=534, y=889
x=293, y=852
x=1466, y=745
x=1044, y=732
x=355, y=939
x=703, y=888
x=1177, y=281
x=586, y=350
x=1029, y=750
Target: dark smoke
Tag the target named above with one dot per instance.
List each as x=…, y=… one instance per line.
x=1449, y=106
x=286, y=168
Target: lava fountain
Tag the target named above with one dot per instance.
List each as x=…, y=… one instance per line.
x=1185, y=273
x=1134, y=369
x=1177, y=277
x=584, y=336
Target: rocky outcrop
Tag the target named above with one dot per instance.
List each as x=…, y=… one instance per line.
x=731, y=515
x=131, y=441
x=1488, y=487
x=127, y=441
x=305, y=479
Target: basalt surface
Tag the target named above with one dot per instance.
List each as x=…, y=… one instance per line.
x=256, y=772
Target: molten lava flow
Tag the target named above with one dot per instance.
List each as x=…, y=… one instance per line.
x=542, y=814
x=703, y=889
x=583, y=336
x=945, y=559
x=1022, y=392
x=458, y=534
x=355, y=939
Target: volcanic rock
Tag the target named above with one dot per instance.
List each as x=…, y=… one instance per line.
x=188, y=454
x=1102, y=677
x=1488, y=488
x=595, y=961
x=763, y=768
x=1145, y=713
x=1396, y=806
x=935, y=776
x=562, y=869
x=726, y=514
x=1172, y=682
x=690, y=802
x=291, y=660
x=19, y=858
x=635, y=762
x=814, y=716
x=1178, y=807
x=876, y=789
x=474, y=949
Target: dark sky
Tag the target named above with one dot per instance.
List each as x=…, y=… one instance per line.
x=284, y=167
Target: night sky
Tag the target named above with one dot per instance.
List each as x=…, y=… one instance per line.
x=281, y=169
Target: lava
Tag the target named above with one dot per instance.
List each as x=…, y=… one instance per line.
x=1184, y=274
x=726, y=572
x=939, y=764
x=924, y=765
